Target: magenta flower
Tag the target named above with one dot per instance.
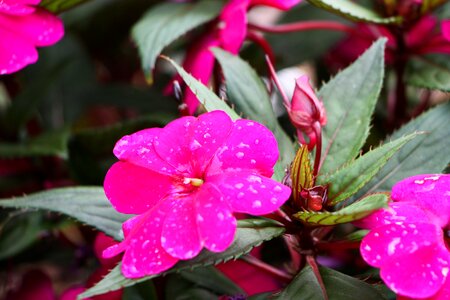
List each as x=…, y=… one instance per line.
x=184, y=182
x=228, y=32
x=409, y=240
x=23, y=27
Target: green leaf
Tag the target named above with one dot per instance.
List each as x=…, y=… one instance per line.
x=88, y=205
x=58, y=6
x=427, y=153
x=142, y=291
x=348, y=180
x=431, y=72
x=19, y=233
x=354, y=11
x=349, y=100
x=348, y=214
x=206, y=97
x=163, y=24
x=249, y=95
x=250, y=233
x=212, y=279
x=48, y=143
x=339, y=287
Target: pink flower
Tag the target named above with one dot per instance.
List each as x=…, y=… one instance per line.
x=408, y=241
x=184, y=182
x=425, y=36
x=228, y=32
x=306, y=112
x=23, y=27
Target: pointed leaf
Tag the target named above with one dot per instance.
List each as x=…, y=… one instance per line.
x=354, y=11
x=431, y=72
x=58, y=6
x=250, y=233
x=348, y=180
x=339, y=287
x=206, y=97
x=88, y=205
x=349, y=100
x=348, y=214
x=301, y=173
x=165, y=23
x=249, y=95
x=427, y=153
x=46, y=144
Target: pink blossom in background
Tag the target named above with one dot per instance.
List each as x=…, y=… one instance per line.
x=408, y=241
x=184, y=182
x=23, y=27
x=228, y=33
x=427, y=35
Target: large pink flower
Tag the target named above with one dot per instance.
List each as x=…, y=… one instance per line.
x=228, y=32
x=23, y=27
x=184, y=182
x=408, y=241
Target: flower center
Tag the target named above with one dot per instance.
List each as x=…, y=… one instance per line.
x=193, y=181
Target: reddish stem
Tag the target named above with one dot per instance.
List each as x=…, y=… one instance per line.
x=338, y=245
x=251, y=260
x=304, y=26
x=258, y=39
x=315, y=268
x=274, y=76
x=318, y=132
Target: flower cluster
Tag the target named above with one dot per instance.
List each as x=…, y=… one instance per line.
x=184, y=182
x=23, y=27
x=228, y=33
x=408, y=240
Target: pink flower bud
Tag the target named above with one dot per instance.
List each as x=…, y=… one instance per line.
x=306, y=112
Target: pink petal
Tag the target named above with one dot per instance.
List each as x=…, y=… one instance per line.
x=144, y=254
x=72, y=293
x=40, y=28
x=101, y=242
x=189, y=143
x=138, y=149
x=394, y=241
x=251, y=146
x=421, y=31
x=430, y=191
x=233, y=26
x=216, y=224
x=18, y=7
x=445, y=28
x=281, y=4
x=199, y=62
x=419, y=274
x=397, y=213
x=444, y=292
x=173, y=143
x=209, y=132
x=15, y=52
x=251, y=193
x=180, y=237
x=133, y=189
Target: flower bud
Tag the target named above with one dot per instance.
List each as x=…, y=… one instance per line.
x=306, y=112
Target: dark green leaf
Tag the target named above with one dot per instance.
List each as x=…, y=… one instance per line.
x=348, y=180
x=212, y=279
x=427, y=153
x=349, y=100
x=165, y=23
x=142, y=291
x=339, y=287
x=206, y=97
x=58, y=6
x=431, y=72
x=250, y=233
x=49, y=143
x=250, y=97
x=355, y=211
x=354, y=11
x=86, y=204
x=19, y=233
